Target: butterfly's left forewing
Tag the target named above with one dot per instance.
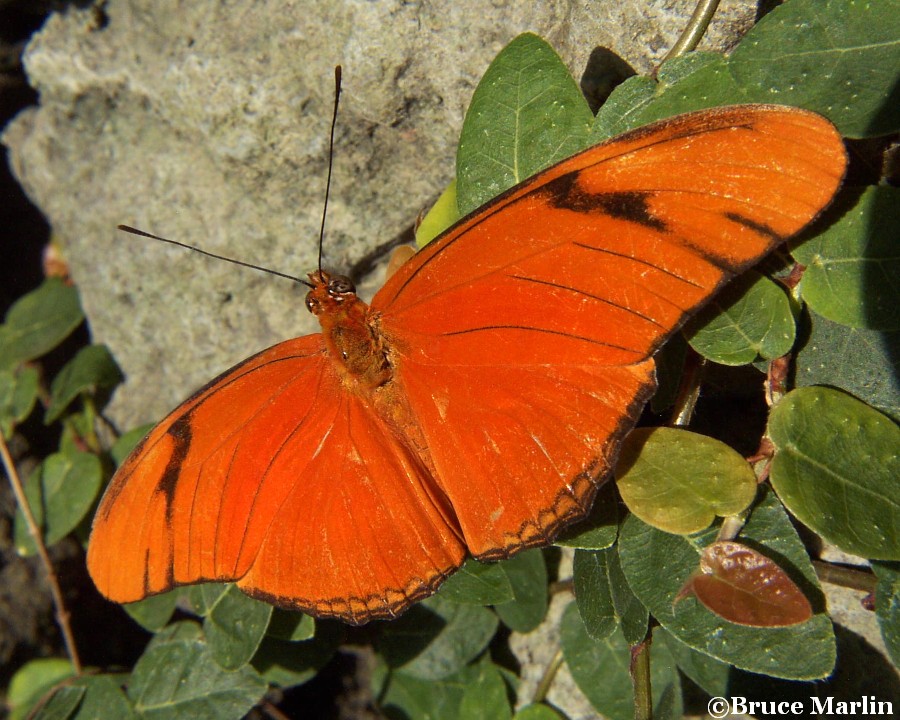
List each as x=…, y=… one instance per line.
x=274, y=477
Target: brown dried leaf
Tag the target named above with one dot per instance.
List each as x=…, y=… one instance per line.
x=746, y=588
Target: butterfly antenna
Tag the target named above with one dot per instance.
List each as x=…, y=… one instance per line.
x=337, y=97
x=135, y=231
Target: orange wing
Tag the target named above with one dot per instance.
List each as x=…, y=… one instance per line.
x=523, y=336
x=275, y=477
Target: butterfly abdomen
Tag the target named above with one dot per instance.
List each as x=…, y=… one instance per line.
x=358, y=354
x=356, y=350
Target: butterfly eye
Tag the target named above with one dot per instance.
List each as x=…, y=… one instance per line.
x=341, y=285
x=312, y=304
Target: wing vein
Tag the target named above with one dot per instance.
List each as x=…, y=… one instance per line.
x=575, y=290
x=527, y=328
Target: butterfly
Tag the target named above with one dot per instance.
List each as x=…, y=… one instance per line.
x=477, y=404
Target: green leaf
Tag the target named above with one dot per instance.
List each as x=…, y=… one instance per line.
x=88, y=697
x=887, y=607
x=852, y=266
x=292, y=663
x=537, y=712
x=526, y=114
x=599, y=529
x=234, y=628
x=177, y=677
x=477, y=583
x=751, y=318
x=128, y=441
x=38, y=322
x=410, y=697
x=79, y=424
x=633, y=616
x=865, y=363
x=92, y=369
x=836, y=469
x=441, y=216
x=658, y=564
x=600, y=669
x=695, y=81
x=436, y=638
x=62, y=704
x=32, y=681
x=60, y=492
x=527, y=574
x=623, y=107
x=832, y=56
x=154, y=612
x=484, y=696
x=291, y=626
x=824, y=55
x=18, y=394
x=678, y=481
x=836, y=57
x=204, y=596
x=709, y=674
x=592, y=593
x=604, y=599
x=103, y=698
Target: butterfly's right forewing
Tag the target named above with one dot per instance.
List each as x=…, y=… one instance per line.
x=524, y=334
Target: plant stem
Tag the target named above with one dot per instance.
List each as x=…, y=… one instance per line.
x=695, y=29
x=540, y=693
x=731, y=526
x=91, y=439
x=640, y=680
x=62, y=614
x=561, y=586
x=272, y=711
x=857, y=579
x=688, y=390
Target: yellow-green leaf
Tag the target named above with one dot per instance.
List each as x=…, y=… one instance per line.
x=679, y=481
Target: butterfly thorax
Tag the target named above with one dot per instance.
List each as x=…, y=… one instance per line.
x=357, y=351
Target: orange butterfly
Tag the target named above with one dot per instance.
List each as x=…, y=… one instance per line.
x=480, y=400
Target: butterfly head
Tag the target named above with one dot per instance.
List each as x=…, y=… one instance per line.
x=328, y=292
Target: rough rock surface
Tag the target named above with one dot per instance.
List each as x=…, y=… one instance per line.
x=207, y=122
